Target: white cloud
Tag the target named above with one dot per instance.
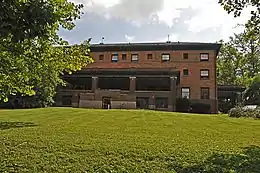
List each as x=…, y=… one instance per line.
x=205, y=16
x=129, y=38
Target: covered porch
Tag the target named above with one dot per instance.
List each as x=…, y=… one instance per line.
x=121, y=88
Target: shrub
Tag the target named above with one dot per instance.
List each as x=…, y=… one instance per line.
x=242, y=112
x=201, y=108
x=183, y=105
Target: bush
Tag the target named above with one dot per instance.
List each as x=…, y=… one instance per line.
x=242, y=112
x=201, y=108
x=183, y=105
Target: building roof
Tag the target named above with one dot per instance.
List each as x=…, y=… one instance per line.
x=155, y=46
x=232, y=88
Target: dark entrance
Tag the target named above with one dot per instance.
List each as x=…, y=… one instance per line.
x=142, y=102
x=106, y=103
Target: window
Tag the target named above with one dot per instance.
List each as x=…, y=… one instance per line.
x=204, y=57
x=165, y=57
x=101, y=57
x=204, y=74
x=185, y=93
x=204, y=93
x=114, y=58
x=185, y=56
x=161, y=102
x=124, y=57
x=150, y=56
x=185, y=72
x=135, y=57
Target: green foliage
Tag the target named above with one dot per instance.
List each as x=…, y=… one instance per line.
x=243, y=49
x=237, y=6
x=28, y=19
x=239, y=60
x=83, y=140
x=202, y=108
x=243, y=112
x=32, y=55
x=247, y=161
x=252, y=93
x=183, y=105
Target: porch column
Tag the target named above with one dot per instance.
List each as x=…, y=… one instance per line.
x=94, y=83
x=132, y=86
x=75, y=100
x=173, y=94
x=152, y=102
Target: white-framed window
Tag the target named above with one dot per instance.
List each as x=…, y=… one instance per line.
x=134, y=57
x=114, y=58
x=204, y=57
x=165, y=57
x=185, y=92
x=204, y=74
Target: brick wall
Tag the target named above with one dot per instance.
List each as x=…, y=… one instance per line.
x=193, y=64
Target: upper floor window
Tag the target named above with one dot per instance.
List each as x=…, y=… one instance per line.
x=135, y=57
x=166, y=57
x=204, y=74
x=185, y=56
x=101, y=57
x=114, y=58
x=149, y=56
x=124, y=57
x=185, y=72
x=204, y=93
x=185, y=93
x=204, y=57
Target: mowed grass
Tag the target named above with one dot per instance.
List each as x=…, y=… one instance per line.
x=82, y=140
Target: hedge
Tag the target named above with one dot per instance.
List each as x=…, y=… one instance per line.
x=242, y=112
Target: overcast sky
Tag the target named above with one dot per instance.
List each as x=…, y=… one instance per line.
x=153, y=20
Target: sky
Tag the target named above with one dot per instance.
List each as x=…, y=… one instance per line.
x=153, y=21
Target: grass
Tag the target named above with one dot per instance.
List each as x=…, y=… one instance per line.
x=81, y=140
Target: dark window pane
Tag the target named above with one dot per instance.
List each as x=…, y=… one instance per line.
x=185, y=72
x=185, y=56
x=124, y=57
x=101, y=57
x=204, y=93
x=150, y=56
x=161, y=102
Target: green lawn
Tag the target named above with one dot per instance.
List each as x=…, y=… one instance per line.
x=82, y=140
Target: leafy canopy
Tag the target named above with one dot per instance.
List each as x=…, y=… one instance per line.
x=237, y=6
x=32, y=55
x=239, y=59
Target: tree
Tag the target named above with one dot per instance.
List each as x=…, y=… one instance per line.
x=237, y=6
x=239, y=59
x=229, y=64
x=252, y=93
x=32, y=55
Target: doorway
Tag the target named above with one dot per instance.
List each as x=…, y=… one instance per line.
x=106, y=102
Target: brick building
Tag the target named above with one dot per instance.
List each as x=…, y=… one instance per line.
x=144, y=75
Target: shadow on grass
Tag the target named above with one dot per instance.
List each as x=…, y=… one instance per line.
x=10, y=125
x=247, y=161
